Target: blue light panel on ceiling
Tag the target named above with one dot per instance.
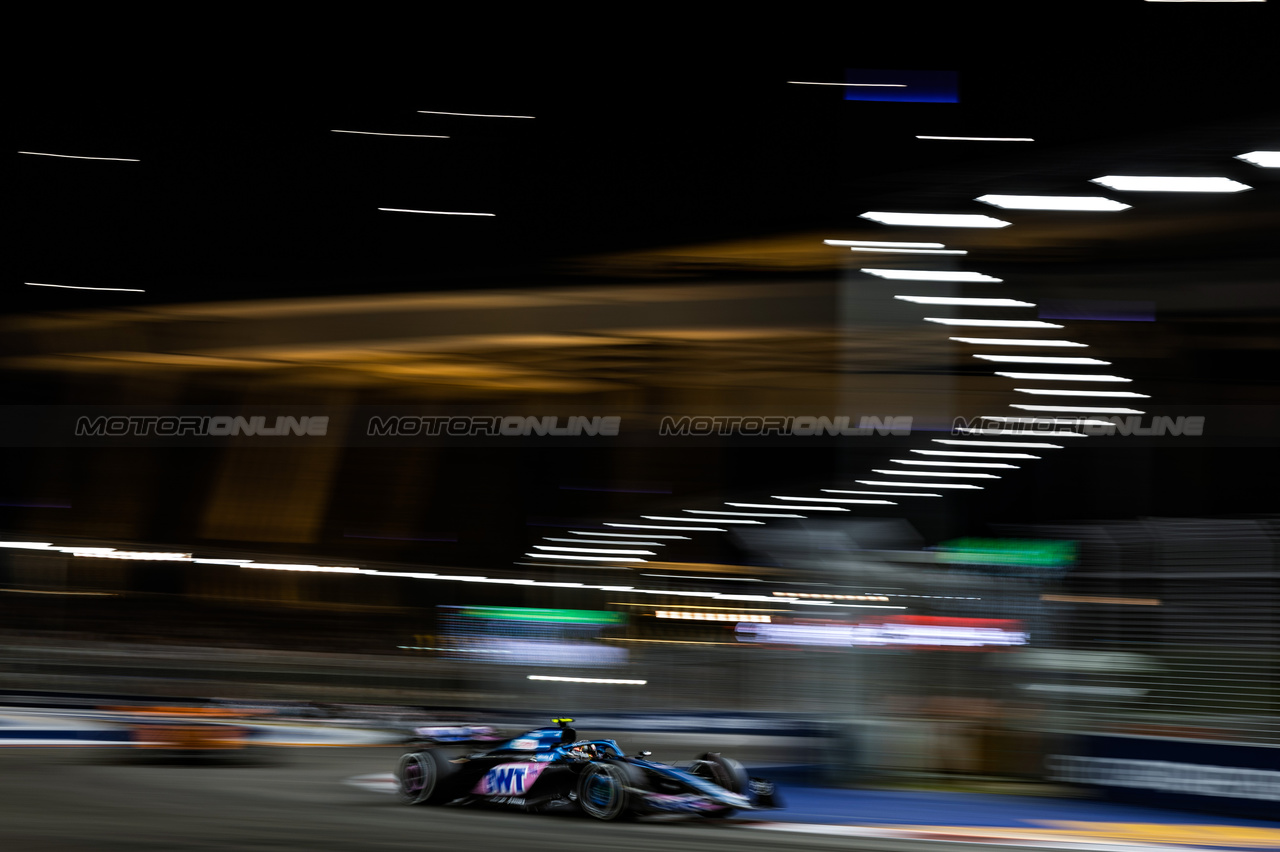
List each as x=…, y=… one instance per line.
x=927, y=87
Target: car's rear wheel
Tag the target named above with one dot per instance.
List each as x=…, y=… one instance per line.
x=602, y=791
x=418, y=777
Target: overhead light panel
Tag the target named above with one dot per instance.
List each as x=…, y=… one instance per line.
x=1062, y=377
x=1042, y=359
x=775, y=506
x=1014, y=341
x=961, y=454
x=1053, y=202
x=613, y=551
x=1081, y=392
x=963, y=300
x=880, y=493
x=1154, y=183
x=652, y=527
x=741, y=514
x=626, y=535
x=931, y=275
x=836, y=500
x=1053, y=421
x=585, y=558
x=1266, y=159
x=1077, y=409
x=918, y=484
x=954, y=463
x=1024, y=444
x=935, y=220
x=992, y=323
x=935, y=473
x=706, y=520
x=884, y=244
x=606, y=541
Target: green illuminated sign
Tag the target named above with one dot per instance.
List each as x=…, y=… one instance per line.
x=517, y=613
x=1008, y=551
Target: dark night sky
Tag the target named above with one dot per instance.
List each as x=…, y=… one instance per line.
x=647, y=132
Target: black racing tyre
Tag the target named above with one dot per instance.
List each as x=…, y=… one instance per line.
x=419, y=776
x=603, y=791
x=725, y=771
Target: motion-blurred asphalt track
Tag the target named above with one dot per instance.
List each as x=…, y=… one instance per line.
x=107, y=799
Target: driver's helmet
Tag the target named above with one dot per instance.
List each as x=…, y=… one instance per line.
x=584, y=751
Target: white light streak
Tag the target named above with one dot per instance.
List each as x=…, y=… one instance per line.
x=434, y=212
x=953, y=463
x=471, y=114
x=70, y=287
x=628, y=535
x=992, y=323
x=935, y=220
x=916, y=484
x=981, y=138
x=1095, y=203
x=884, y=244
x=653, y=527
x=1083, y=392
x=1265, y=159
x=27, y=545
x=1055, y=421
x=836, y=500
x=956, y=453
x=909, y=251
x=607, y=541
x=284, y=566
x=1063, y=377
x=587, y=679
x=1015, y=341
x=741, y=514
x=846, y=605
x=935, y=473
x=930, y=275
x=766, y=598
x=700, y=520
x=774, y=506
x=410, y=135
x=1153, y=183
x=112, y=553
x=595, y=550
x=585, y=558
x=880, y=493
x=223, y=561
x=965, y=300
x=1024, y=444
x=79, y=157
x=712, y=616
x=1077, y=409
x=1042, y=359
x=1021, y=432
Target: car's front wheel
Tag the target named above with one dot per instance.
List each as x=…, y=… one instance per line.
x=603, y=793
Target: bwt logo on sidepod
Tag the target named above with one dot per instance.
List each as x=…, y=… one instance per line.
x=509, y=779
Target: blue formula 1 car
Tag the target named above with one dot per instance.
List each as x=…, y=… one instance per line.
x=550, y=769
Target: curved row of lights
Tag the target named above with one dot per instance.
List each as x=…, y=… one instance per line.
x=975, y=455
